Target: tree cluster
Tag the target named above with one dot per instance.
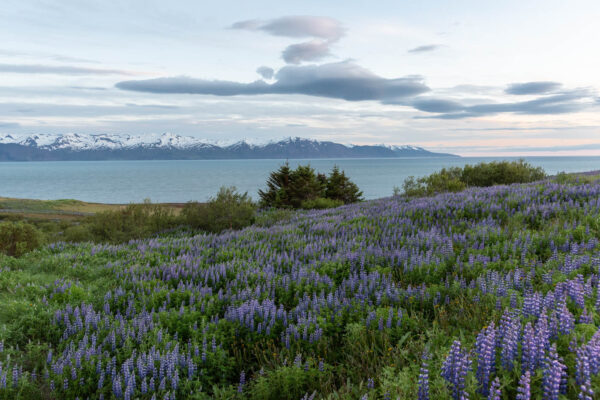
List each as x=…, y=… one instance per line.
x=304, y=188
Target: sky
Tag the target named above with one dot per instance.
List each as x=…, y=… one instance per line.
x=467, y=77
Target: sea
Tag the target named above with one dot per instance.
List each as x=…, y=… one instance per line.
x=173, y=181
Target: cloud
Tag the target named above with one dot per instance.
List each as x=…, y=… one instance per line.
x=560, y=103
x=437, y=105
x=298, y=26
x=309, y=51
x=587, y=146
x=58, y=69
x=265, y=72
x=343, y=80
x=324, y=30
x=425, y=49
x=540, y=87
x=9, y=125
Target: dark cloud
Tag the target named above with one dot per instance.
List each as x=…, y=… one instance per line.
x=560, y=103
x=324, y=30
x=425, y=49
x=437, y=105
x=251, y=24
x=343, y=80
x=58, y=69
x=532, y=87
x=297, y=26
x=309, y=51
x=265, y=72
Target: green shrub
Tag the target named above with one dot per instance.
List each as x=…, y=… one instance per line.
x=18, y=238
x=78, y=233
x=228, y=210
x=270, y=217
x=501, y=173
x=446, y=180
x=321, y=203
x=287, y=188
x=132, y=222
x=456, y=179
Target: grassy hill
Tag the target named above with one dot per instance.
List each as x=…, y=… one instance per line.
x=473, y=292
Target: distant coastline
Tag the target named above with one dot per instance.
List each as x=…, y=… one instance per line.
x=75, y=147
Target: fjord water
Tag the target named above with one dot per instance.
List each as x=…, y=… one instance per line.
x=181, y=181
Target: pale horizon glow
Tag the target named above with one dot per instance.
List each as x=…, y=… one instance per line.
x=468, y=77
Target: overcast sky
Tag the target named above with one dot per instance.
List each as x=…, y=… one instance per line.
x=469, y=77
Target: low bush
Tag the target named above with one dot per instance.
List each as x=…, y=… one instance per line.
x=501, y=173
x=135, y=221
x=227, y=210
x=456, y=179
x=321, y=203
x=18, y=238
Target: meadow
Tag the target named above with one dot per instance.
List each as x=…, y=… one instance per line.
x=486, y=293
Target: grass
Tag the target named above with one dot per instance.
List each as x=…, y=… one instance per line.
x=64, y=207
x=439, y=269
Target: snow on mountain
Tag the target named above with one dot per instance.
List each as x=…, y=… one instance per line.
x=75, y=146
x=78, y=142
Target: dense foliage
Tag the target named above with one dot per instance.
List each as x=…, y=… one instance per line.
x=228, y=210
x=304, y=188
x=490, y=293
x=456, y=179
x=17, y=238
x=133, y=221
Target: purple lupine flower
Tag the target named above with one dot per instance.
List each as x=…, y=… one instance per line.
x=524, y=389
x=117, y=388
x=510, y=328
x=424, y=379
x=566, y=322
x=370, y=383
x=485, y=349
x=242, y=382
x=554, y=374
x=495, y=391
x=585, y=391
x=585, y=317
x=455, y=369
x=15, y=376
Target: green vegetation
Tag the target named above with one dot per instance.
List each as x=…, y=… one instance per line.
x=303, y=188
x=17, y=238
x=344, y=303
x=135, y=221
x=37, y=222
x=228, y=210
x=456, y=179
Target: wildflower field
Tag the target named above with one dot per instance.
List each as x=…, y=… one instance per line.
x=483, y=294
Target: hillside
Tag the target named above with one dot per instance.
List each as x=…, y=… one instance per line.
x=171, y=147
x=498, y=287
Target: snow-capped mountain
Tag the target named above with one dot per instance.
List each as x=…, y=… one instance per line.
x=76, y=141
x=74, y=146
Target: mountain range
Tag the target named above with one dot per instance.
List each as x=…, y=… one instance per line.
x=168, y=146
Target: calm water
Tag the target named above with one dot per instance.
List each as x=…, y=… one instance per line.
x=180, y=181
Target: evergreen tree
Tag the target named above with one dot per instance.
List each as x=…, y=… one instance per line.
x=278, y=185
x=339, y=187
x=287, y=188
x=305, y=185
